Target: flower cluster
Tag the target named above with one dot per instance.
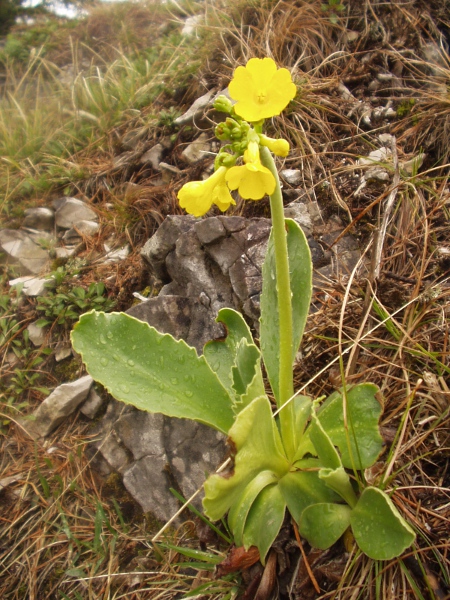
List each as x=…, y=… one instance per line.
x=261, y=91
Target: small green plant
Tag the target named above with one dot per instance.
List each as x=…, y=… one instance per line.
x=332, y=9
x=63, y=303
x=308, y=457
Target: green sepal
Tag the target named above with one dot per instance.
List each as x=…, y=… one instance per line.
x=221, y=354
x=323, y=524
x=153, y=372
x=300, y=269
x=379, y=529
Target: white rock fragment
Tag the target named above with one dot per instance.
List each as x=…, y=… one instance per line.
x=61, y=403
x=36, y=334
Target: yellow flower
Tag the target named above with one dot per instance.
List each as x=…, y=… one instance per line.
x=252, y=179
x=197, y=197
x=279, y=147
x=261, y=90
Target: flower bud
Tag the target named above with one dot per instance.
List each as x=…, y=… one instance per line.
x=279, y=147
x=223, y=104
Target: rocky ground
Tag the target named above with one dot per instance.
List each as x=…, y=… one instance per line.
x=367, y=179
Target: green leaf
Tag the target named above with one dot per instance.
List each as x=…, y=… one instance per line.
x=300, y=268
x=153, y=372
x=379, y=529
x=323, y=445
x=323, y=524
x=300, y=489
x=221, y=354
x=239, y=511
x=339, y=481
x=361, y=443
x=246, y=367
x=265, y=520
x=256, y=439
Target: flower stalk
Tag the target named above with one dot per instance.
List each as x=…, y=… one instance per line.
x=286, y=381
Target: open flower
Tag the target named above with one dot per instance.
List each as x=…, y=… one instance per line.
x=251, y=179
x=261, y=90
x=197, y=197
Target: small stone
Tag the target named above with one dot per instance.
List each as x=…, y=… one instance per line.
x=71, y=211
x=92, y=405
x=153, y=156
x=292, y=176
x=36, y=334
x=62, y=351
x=168, y=172
x=116, y=255
x=81, y=228
x=66, y=252
x=299, y=212
x=376, y=156
x=197, y=109
x=197, y=150
x=32, y=286
x=61, y=403
x=22, y=252
x=39, y=218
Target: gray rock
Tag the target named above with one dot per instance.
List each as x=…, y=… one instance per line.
x=153, y=156
x=36, y=334
x=168, y=172
x=142, y=433
x=62, y=351
x=163, y=241
x=40, y=218
x=22, y=252
x=72, y=210
x=197, y=150
x=113, y=452
x=196, y=110
x=61, y=403
x=193, y=451
x=148, y=481
x=81, y=228
x=32, y=286
x=92, y=405
x=292, y=176
x=210, y=230
x=300, y=213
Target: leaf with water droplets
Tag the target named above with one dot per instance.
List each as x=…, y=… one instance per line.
x=300, y=270
x=195, y=393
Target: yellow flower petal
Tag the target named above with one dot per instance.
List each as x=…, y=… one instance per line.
x=197, y=197
x=261, y=90
x=222, y=197
x=252, y=180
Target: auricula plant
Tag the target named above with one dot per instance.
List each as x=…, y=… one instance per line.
x=304, y=456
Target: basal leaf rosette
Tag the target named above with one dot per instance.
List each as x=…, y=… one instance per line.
x=261, y=90
x=262, y=484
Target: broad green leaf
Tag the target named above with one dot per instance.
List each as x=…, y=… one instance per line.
x=359, y=444
x=302, y=411
x=323, y=524
x=265, y=520
x=379, y=529
x=153, y=372
x=300, y=268
x=221, y=354
x=240, y=509
x=256, y=439
x=339, y=481
x=323, y=445
x=247, y=365
x=300, y=489
x=254, y=390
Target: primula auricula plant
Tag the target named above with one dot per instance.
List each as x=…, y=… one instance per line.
x=307, y=457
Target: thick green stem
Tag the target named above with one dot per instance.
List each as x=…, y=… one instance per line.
x=286, y=389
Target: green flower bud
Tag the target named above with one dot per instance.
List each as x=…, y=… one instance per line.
x=222, y=132
x=223, y=104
